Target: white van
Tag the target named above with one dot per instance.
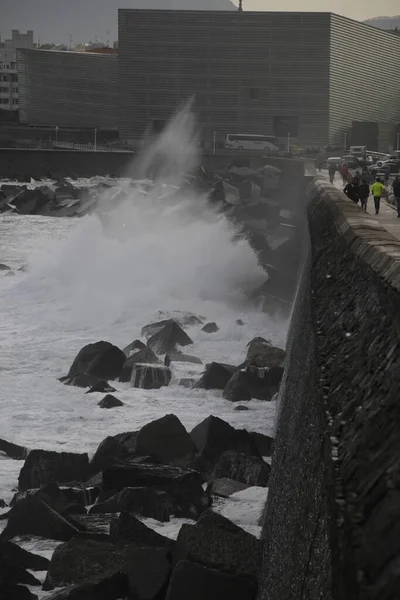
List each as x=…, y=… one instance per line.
x=249, y=141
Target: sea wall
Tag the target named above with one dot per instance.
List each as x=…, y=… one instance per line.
x=332, y=520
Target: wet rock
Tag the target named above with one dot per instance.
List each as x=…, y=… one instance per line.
x=261, y=353
x=13, y=450
x=238, y=388
x=113, y=449
x=133, y=347
x=96, y=588
x=145, y=502
x=168, y=337
x=13, y=555
x=260, y=383
x=44, y=466
x=92, y=527
x=3, y=503
x=102, y=387
x=4, y=267
x=102, y=360
x=194, y=581
x=60, y=501
x=264, y=443
x=215, y=376
x=167, y=441
x=176, y=356
x=218, y=543
x=225, y=487
x=30, y=202
x=16, y=592
x=241, y=408
x=146, y=569
x=143, y=356
x=127, y=529
x=33, y=516
x=150, y=377
x=10, y=274
x=240, y=322
x=187, y=382
x=84, y=380
x=12, y=575
x=251, y=470
x=210, y=328
x=182, y=485
x=110, y=401
x=213, y=437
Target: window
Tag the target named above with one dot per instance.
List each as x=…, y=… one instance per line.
x=285, y=125
x=4, y=101
x=15, y=89
x=254, y=93
x=5, y=90
x=15, y=101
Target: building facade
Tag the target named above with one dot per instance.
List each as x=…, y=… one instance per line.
x=68, y=89
x=9, y=90
x=304, y=74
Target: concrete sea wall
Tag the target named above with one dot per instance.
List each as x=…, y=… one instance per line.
x=332, y=520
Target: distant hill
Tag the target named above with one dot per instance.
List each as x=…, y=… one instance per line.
x=385, y=22
x=56, y=20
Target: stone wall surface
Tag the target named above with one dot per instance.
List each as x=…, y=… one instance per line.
x=332, y=521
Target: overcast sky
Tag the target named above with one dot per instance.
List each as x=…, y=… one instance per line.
x=355, y=9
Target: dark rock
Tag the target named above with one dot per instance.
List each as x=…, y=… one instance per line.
x=251, y=470
x=213, y=437
x=102, y=360
x=102, y=387
x=13, y=450
x=16, y=592
x=209, y=518
x=33, y=516
x=225, y=487
x=143, y=356
x=131, y=348
x=55, y=498
x=32, y=201
x=4, y=267
x=153, y=328
x=3, y=503
x=147, y=569
x=183, y=486
x=13, y=555
x=190, y=580
x=110, y=401
x=238, y=388
x=44, y=466
x=145, y=502
x=113, y=449
x=177, y=356
x=10, y=274
x=256, y=382
x=240, y=322
x=261, y=353
x=168, y=337
x=265, y=444
x=187, y=382
x=12, y=575
x=228, y=549
x=83, y=380
x=215, y=377
x=241, y=408
x=127, y=529
x=167, y=440
x=149, y=377
x=167, y=360
x=113, y=587
x=210, y=328
x=92, y=527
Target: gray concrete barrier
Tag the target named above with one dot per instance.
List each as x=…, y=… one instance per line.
x=332, y=520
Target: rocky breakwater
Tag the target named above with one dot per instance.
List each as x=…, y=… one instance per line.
x=95, y=507
x=331, y=525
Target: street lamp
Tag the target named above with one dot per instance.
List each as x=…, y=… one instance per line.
x=95, y=140
x=56, y=134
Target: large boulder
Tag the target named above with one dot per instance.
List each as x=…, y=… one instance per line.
x=210, y=328
x=182, y=485
x=260, y=383
x=225, y=487
x=251, y=470
x=217, y=543
x=113, y=449
x=168, y=337
x=213, y=437
x=102, y=360
x=190, y=580
x=167, y=441
x=261, y=353
x=13, y=450
x=264, y=443
x=144, y=356
x=63, y=502
x=45, y=466
x=32, y=516
x=29, y=202
x=147, y=569
x=16, y=592
x=127, y=529
x=150, y=377
x=12, y=575
x=215, y=376
x=110, y=401
x=145, y=502
x=84, y=380
x=13, y=555
x=102, y=587
x=133, y=347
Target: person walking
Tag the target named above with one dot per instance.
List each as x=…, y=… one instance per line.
x=363, y=192
x=351, y=191
x=396, y=192
x=344, y=171
x=332, y=173
x=378, y=190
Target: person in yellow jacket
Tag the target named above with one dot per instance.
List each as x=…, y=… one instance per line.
x=377, y=190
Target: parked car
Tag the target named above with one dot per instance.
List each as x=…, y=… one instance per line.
x=352, y=162
x=391, y=165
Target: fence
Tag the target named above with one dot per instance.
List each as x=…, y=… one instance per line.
x=87, y=147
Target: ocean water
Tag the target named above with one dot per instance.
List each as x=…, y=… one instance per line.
x=105, y=276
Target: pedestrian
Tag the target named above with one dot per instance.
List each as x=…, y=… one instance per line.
x=332, y=172
x=344, y=171
x=387, y=176
x=351, y=191
x=378, y=190
x=363, y=192
x=396, y=192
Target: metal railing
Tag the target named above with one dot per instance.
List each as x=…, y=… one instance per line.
x=87, y=147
